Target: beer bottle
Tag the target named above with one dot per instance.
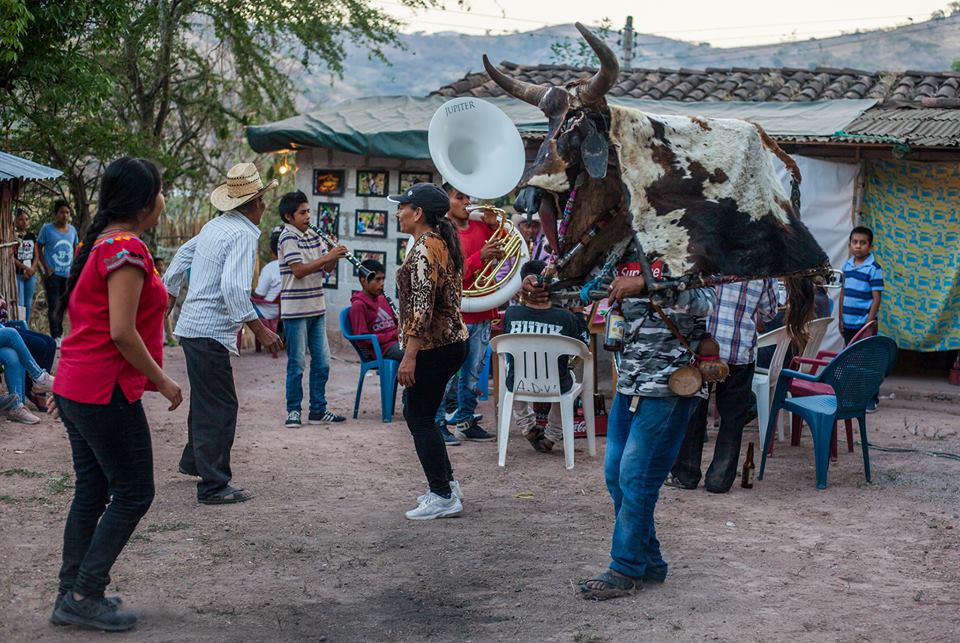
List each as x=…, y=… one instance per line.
x=613, y=331
x=746, y=474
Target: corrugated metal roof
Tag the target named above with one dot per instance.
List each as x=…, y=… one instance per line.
x=914, y=126
x=14, y=167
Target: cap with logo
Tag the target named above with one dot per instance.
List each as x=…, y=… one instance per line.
x=428, y=196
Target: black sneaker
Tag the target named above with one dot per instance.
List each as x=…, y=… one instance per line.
x=473, y=432
x=114, y=601
x=448, y=438
x=96, y=612
x=324, y=418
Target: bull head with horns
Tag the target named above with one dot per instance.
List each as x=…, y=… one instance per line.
x=700, y=195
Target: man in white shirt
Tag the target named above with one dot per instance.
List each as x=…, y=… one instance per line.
x=268, y=285
x=220, y=260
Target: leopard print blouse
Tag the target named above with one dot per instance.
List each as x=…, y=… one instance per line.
x=430, y=289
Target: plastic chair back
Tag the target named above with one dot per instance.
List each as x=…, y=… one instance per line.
x=816, y=328
x=857, y=372
x=347, y=333
x=534, y=357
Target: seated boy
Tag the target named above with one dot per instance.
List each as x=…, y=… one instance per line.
x=546, y=319
x=370, y=314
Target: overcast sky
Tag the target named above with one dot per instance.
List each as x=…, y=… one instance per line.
x=723, y=24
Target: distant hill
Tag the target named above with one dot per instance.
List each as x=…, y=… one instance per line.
x=432, y=60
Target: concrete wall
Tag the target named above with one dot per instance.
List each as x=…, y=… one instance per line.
x=309, y=160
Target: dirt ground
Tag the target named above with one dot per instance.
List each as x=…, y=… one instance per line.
x=324, y=552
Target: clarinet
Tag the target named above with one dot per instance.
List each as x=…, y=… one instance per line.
x=356, y=263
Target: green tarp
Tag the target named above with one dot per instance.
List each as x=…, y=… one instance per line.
x=396, y=126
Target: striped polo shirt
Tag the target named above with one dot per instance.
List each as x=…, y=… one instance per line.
x=859, y=283
x=300, y=297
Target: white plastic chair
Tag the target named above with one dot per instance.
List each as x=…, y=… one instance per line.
x=817, y=329
x=536, y=379
x=764, y=379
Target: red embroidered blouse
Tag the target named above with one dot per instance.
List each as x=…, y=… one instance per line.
x=90, y=364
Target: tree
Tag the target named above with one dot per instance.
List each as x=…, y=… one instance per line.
x=85, y=81
x=956, y=64
x=577, y=53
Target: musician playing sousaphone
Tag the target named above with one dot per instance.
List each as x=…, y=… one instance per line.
x=479, y=248
x=304, y=260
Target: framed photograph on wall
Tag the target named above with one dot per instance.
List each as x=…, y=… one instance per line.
x=373, y=183
x=370, y=223
x=331, y=279
x=328, y=219
x=402, y=249
x=408, y=179
x=363, y=255
x=329, y=182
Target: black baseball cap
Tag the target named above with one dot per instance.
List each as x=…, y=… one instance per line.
x=428, y=196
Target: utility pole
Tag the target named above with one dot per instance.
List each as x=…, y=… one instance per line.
x=626, y=42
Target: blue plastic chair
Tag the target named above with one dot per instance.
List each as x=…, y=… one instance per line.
x=387, y=368
x=855, y=375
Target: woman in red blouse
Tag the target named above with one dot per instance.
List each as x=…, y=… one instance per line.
x=116, y=303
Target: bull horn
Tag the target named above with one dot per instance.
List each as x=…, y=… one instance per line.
x=527, y=92
x=606, y=77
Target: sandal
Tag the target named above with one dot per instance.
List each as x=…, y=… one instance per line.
x=226, y=496
x=613, y=586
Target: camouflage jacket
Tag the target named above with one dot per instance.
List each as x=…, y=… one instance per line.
x=651, y=353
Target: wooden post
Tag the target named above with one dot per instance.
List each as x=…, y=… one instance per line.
x=9, y=192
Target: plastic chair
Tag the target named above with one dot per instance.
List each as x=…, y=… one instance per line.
x=855, y=376
x=764, y=379
x=387, y=368
x=816, y=329
x=534, y=359
x=802, y=388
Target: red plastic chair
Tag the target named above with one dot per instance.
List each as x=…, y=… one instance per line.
x=272, y=324
x=802, y=388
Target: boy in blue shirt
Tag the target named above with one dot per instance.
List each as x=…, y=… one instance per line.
x=862, y=288
x=56, y=244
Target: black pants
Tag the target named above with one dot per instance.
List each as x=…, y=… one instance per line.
x=56, y=288
x=733, y=402
x=113, y=462
x=212, y=420
x=435, y=367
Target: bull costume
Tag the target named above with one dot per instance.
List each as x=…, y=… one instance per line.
x=697, y=197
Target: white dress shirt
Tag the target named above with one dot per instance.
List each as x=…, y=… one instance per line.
x=220, y=260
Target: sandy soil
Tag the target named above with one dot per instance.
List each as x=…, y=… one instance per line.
x=324, y=552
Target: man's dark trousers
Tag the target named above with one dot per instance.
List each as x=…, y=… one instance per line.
x=212, y=421
x=733, y=401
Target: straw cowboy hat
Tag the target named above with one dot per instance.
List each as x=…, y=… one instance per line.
x=243, y=185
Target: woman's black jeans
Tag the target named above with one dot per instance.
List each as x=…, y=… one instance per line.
x=435, y=367
x=113, y=461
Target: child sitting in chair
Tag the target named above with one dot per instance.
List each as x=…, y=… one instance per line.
x=549, y=320
x=370, y=314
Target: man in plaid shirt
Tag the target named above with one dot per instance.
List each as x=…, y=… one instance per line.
x=733, y=324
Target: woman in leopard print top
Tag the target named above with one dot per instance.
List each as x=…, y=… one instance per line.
x=433, y=335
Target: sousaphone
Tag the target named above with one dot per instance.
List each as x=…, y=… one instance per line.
x=478, y=150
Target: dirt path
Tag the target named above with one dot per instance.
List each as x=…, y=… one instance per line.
x=324, y=552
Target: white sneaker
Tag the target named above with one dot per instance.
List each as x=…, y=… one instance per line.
x=454, y=490
x=435, y=506
x=44, y=383
x=22, y=415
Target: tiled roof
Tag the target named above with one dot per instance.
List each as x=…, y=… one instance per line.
x=763, y=84
x=917, y=108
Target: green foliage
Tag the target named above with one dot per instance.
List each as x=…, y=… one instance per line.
x=14, y=18
x=172, y=80
x=576, y=52
x=955, y=66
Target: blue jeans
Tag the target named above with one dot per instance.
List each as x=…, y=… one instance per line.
x=17, y=361
x=25, y=289
x=641, y=447
x=466, y=383
x=303, y=334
